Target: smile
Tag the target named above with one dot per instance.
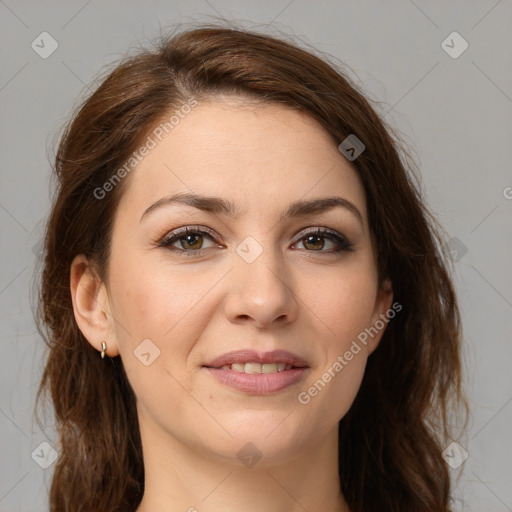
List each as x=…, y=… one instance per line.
x=258, y=374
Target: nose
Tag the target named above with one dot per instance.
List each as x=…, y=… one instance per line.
x=261, y=292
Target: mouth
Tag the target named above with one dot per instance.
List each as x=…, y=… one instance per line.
x=258, y=373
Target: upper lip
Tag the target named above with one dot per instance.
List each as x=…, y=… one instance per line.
x=252, y=356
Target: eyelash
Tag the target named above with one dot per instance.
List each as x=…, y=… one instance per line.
x=343, y=244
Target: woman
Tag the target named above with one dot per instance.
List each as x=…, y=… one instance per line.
x=244, y=298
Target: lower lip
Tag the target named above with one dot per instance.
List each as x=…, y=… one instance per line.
x=258, y=383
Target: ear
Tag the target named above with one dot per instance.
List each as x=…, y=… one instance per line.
x=381, y=314
x=91, y=306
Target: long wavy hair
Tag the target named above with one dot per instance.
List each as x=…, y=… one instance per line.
x=392, y=438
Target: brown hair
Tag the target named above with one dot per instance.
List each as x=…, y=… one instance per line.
x=392, y=438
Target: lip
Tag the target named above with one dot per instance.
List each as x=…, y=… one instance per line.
x=251, y=356
x=258, y=383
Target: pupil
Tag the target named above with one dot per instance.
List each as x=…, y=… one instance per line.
x=188, y=237
x=314, y=237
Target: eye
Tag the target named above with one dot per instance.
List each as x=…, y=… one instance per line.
x=314, y=241
x=190, y=240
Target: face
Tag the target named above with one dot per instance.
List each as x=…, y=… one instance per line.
x=268, y=288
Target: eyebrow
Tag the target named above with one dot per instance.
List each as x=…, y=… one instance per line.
x=217, y=205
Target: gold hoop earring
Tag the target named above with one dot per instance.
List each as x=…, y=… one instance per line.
x=103, y=349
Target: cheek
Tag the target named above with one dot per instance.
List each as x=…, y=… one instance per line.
x=345, y=308
x=344, y=305
x=159, y=315
x=163, y=305
x=164, y=317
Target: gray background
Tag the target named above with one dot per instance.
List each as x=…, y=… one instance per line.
x=454, y=112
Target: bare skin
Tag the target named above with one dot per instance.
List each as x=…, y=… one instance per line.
x=297, y=295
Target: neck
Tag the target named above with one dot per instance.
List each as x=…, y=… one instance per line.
x=178, y=478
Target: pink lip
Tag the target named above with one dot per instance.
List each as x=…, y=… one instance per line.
x=259, y=383
x=251, y=356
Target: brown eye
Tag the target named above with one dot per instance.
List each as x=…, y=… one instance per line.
x=315, y=241
x=192, y=241
x=187, y=241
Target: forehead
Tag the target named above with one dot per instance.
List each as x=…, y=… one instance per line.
x=248, y=152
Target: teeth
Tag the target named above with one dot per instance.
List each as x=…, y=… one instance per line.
x=269, y=368
x=257, y=367
x=252, y=368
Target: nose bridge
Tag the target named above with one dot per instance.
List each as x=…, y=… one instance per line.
x=259, y=259
x=260, y=287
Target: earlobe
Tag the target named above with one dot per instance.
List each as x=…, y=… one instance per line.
x=91, y=306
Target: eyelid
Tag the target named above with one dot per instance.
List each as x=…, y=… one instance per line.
x=176, y=233
x=318, y=230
